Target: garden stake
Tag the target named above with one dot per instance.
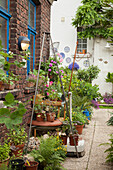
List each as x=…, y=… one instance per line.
x=64, y=95
x=72, y=68
x=35, y=91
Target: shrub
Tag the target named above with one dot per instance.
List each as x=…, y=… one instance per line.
x=50, y=154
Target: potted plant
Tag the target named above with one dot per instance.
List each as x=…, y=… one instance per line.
x=17, y=139
x=31, y=165
x=4, y=154
x=12, y=117
x=79, y=119
x=17, y=164
x=31, y=80
x=50, y=114
x=73, y=136
x=64, y=133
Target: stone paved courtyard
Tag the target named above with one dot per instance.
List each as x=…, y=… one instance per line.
x=95, y=133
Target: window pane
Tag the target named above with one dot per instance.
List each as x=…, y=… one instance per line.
x=82, y=43
x=3, y=4
x=3, y=32
x=31, y=15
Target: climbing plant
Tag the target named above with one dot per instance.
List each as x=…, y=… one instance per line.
x=95, y=17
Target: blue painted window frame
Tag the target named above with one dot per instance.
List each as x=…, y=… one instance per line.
x=32, y=31
x=5, y=14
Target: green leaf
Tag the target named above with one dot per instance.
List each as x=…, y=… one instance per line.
x=9, y=98
x=4, y=111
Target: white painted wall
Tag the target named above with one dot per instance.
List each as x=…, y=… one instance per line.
x=65, y=33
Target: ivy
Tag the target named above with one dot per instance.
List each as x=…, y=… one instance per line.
x=95, y=17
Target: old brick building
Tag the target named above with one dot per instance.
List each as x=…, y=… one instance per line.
x=29, y=18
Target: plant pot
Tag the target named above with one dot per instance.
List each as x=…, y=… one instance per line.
x=79, y=128
x=17, y=164
x=17, y=150
x=33, y=165
x=64, y=139
x=30, y=84
x=39, y=117
x=50, y=117
x=5, y=162
x=9, y=86
x=2, y=87
x=71, y=140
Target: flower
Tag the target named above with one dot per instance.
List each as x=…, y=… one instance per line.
x=51, y=61
x=61, y=76
x=53, y=90
x=49, y=69
x=47, y=94
x=51, y=82
x=50, y=65
x=56, y=71
x=54, y=62
x=62, y=71
x=47, y=85
x=61, y=60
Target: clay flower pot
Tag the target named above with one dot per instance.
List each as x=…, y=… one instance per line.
x=17, y=150
x=72, y=141
x=2, y=87
x=30, y=84
x=33, y=165
x=79, y=128
x=5, y=162
x=9, y=86
x=39, y=117
x=64, y=139
x=50, y=117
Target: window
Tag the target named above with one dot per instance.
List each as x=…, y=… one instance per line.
x=31, y=34
x=4, y=23
x=82, y=43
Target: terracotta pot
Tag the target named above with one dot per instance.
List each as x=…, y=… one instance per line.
x=5, y=162
x=79, y=128
x=33, y=165
x=2, y=87
x=64, y=139
x=30, y=84
x=9, y=86
x=50, y=117
x=39, y=117
x=17, y=150
x=72, y=141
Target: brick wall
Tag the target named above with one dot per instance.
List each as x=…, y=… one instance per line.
x=19, y=27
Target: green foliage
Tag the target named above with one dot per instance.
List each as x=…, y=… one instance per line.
x=50, y=153
x=13, y=114
x=88, y=75
x=109, y=157
x=82, y=102
x=78, y=117
x=110, y=121
x=4, y=151
x=82, y=88
x=18, y=136
x=95, y=19
x=109, y=77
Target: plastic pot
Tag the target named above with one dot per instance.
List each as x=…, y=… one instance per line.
x=17, y=164
x=64, y=139
x=71, y=140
